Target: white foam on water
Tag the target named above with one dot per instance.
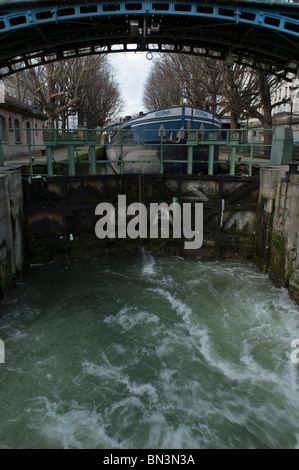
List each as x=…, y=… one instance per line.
x=109, y=371
x=193, y=355
x=198, y=336
x=148, y=267
x=120, y=349
x=162, y=435
x=17, y=335
x=167, y=281
x=125, y=403
x=115, y=273
x=69, y=426
x=129, y=317
x=246, y=369
x=180, y=307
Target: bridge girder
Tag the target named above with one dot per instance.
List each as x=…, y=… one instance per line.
x=258, y=34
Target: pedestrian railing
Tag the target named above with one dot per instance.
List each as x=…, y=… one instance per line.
x=213, y=149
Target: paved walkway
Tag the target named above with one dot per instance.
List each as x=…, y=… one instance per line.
x=59, y=154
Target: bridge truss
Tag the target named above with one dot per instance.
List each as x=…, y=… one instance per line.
x=262, y=35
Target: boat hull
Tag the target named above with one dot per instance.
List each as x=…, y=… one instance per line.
x=140, y=142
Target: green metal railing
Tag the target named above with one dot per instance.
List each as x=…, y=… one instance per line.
x=230, y=142
x=70, y=139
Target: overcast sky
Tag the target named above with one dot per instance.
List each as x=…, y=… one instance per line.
x=131, y=70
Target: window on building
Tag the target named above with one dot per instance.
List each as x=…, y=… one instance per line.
x=17, y=131
x=2, y=128
x=28, y=132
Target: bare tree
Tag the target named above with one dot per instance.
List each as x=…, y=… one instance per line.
x=51, y=86
x=238, y=90
x=19, y=86
x=99, y=96
x=163, y=86
x=85, y=85
x=177, y=77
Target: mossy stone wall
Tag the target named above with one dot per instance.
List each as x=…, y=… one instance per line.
x=277, y=227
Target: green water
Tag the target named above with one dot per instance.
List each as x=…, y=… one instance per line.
x=140, y=352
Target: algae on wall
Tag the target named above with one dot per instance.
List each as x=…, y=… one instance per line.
x=278, y=258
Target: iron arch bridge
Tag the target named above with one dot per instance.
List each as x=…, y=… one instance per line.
x=261, y=34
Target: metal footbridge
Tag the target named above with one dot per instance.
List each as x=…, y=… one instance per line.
x=264, y=35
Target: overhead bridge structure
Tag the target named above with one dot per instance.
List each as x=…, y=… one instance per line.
x=264, y=35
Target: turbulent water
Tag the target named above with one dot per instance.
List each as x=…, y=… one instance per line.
x=146, y=352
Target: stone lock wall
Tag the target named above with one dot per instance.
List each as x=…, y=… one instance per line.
x=53, y=219
x=11, y=229
x=277, y=227
x=253, y=219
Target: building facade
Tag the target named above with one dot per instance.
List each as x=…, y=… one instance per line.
x=285, y=114
x=20, y=125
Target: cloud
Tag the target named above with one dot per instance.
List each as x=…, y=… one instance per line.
x=131, y=70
